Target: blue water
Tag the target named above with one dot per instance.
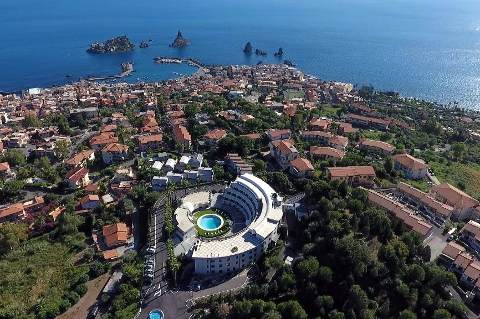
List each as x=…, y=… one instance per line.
x=155, y=314
x=210, y=222
x=424, y=48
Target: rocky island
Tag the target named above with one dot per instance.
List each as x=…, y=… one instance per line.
x=115, y=45
x=144, y=44
x=279, y=53
x=180, y=41
x=248, y=48
x=260, y=52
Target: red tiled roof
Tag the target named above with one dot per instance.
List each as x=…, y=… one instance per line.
x=145, y=139
x=216, y=134
x=115, y=148
x=79, y=157
x=4, y=167
x=76, y=174
x=377, y=144
x=410, y=162
x=351, y=171
x=302, y=164
x=326, y=151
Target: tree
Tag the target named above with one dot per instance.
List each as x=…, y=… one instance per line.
x=61, y=148
x=31, y=120
x=63, y=126
x=14, y=157
x=308, y=268
x=459, y=150
x=12, y=235
x=407, y=314
x=292, y=310
x=441, y=314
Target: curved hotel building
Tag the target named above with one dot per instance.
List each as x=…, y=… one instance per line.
x=260, y=209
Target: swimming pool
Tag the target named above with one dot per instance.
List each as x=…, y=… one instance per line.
x=210, y=222
x=156, y=314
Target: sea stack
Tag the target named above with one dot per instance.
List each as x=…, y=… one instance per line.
x=143, y=45
x=260, y=52
x=279, y=53
x=248, y=48
x=115, y=45
x=180, y=41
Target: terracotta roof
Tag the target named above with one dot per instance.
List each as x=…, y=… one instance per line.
x=426, y=199
x=274, y=133
x=338, y=140
x=351, y=171
x=326, y=151
x=181, y=133
x=453, y=196
x=377, y=144
x=463, y=260
x=473, y=270
x=92, y=188
x=110, y=254
x=14, y=209
x=108, y=128
x=76, y=174
x=79, y=157
x=145, y=139
x=473, y=228
x=369, y=119
x=115, y=234
x=346, y=127
x=4, y=167
x=104, y=138
x=284, y=146
x=216, y=134
x=115, y=148
x=453, y=249
x=56, y=212
x=410, y=162
x=301, y=164
x=321, y=123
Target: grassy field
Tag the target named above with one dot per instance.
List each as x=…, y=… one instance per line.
x=35, y=278
x=328, y=110
x=458, y=174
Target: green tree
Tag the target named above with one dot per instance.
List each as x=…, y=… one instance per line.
x=292, y=309
x=12, y=235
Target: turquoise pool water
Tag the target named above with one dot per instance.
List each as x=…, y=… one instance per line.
x=210, y=222
x=155, y=314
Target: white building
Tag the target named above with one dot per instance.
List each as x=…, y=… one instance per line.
x=169, y=165
x=261, y=207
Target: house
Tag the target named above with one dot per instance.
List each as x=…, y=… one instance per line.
x=205, y=174
x=56, y=212
x=89, y=202
x=326, y=153
x=169, y=165
x=196, y=160
x=236, y=165
x=320, y=124
x=411, y=167
x=159, y=183
x=427, y=205
x=115, y=234
x=325, y=139
x=5, y=170
x=181, y=136
x=283, y=151
x=149, y=142
x=375, y=146
x=301, y=167
x=401, y=212
x=471, y=274
x=345, y=128
x=368, y=122
x=450, y=253
x=212, y=137
x=115, y=152
x=276, y=135
x=461, y=263
x=174, y=178
x=101, y=140
x=191, y=175
x=81, y=158
x=16, y=140
x=354, y=175
x=470, y=234
x=77, y=177
x=464, y=206
x=12, y=213
x=182, y=163
x=157, y=165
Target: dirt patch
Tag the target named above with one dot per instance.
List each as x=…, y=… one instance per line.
x=82, y=307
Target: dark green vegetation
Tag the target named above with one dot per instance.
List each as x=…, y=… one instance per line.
x=43, y=276
x=357, y=263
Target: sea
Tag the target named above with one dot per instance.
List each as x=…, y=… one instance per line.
x=429, y=49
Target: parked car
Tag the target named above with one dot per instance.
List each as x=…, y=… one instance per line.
x=93, y=312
